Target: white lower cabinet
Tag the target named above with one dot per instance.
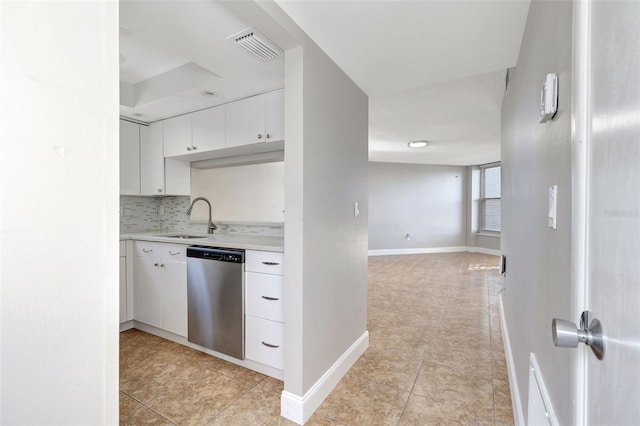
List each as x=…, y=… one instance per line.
x=263, y=341
x=264, y=307
x=123, y=282
x=160, y=291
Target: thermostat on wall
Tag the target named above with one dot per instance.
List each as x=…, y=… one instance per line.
x=549, y=98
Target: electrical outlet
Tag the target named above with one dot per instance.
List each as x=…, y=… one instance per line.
x=356, y=210
x=160, y=209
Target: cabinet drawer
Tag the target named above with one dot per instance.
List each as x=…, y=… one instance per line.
x=123, y=248
x=267, y=262
x=263, y=341
x=263, y=297
x=164, y=251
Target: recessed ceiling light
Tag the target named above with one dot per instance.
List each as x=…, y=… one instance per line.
x=207, y=93
x=418, y=144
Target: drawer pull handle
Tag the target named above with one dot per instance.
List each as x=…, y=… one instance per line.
x=270, y=298
x=173, y=253
x=147, y=251
x=269, y=345
x=270, y=263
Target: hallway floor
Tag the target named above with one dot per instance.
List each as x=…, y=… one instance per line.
x=435, y=357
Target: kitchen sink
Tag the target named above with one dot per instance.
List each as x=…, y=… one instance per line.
x=181, y=236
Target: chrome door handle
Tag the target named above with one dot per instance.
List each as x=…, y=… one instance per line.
x=567, y=335
x=270, y=298
x=270, y=263
x=269, y=345
x=173, y=253
x=147, y=251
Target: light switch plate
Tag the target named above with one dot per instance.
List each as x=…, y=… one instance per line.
x=553, y=201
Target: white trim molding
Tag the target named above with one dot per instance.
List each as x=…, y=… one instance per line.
x=483, y=250
x=539, y=407
x=518, y=413
x=393, y=252
x=388, y=252
x=299, y=409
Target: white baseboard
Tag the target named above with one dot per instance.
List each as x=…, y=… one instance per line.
x=388, y=252
x=483, y=250
x=518, y=414
x=428, y=250
x=297, y=408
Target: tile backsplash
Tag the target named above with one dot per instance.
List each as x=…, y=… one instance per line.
x=167, y=214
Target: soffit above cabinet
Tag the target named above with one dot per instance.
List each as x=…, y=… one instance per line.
x=172, y=51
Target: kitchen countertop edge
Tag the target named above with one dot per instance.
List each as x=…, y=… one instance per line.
x=241, y=241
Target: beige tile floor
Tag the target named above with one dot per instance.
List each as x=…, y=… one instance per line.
x=435, y=357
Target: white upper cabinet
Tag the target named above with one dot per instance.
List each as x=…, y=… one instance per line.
x=274, y=105
x=208, y=129
x=178, y=136
x=151, y=160
x=256, y=119
x=129, y=158
x=245, y=121
x=155, y=174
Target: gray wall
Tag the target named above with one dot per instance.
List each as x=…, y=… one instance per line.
x=534, y=157
x=326, y=247
x=428, y=202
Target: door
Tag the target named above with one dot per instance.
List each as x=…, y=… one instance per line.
x=246, y=121
x=607, y=208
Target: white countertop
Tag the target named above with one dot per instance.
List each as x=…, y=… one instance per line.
x=237, y=241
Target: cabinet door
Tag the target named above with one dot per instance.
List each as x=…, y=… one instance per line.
x=177, y=135
x=263, y=341
x=208, y=127
x=123, y=288
x=129, y=158
x=246, y=121
x=274, y=109
x=174, y=297
x=264, y=296
x=147, y=291
x=151, y=160
x=177, y=177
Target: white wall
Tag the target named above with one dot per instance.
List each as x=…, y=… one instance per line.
x=534, y=157
x=251, y=193
x=59, y=230
x=428, y=202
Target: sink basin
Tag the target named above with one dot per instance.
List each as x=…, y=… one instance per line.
x=181, y=236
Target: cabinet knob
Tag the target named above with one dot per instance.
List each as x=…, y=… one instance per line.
x=159, y=189
x=194, y=147
x=188, y=148
x=268, y=135
x=259, y=136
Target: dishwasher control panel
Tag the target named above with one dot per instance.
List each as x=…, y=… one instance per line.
x=216, y=253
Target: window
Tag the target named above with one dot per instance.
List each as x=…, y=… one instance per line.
x=490, y=193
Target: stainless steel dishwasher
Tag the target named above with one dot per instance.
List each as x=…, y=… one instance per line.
x=215, y=299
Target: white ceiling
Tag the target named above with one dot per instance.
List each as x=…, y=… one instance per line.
x=176, y=49
x=433, y=69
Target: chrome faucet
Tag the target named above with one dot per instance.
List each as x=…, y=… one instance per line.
x=211, y=227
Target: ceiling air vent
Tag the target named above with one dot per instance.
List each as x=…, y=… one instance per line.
x=256, y=44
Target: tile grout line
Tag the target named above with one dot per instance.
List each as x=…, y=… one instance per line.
x=410, y=392
x=147, y=407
